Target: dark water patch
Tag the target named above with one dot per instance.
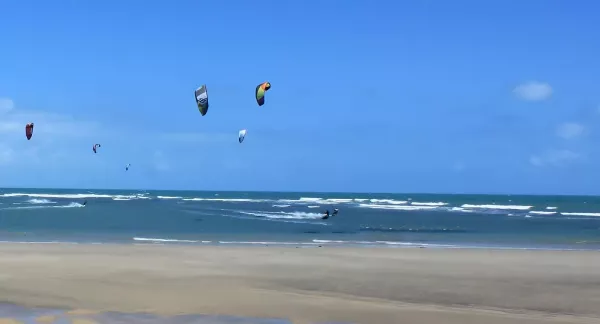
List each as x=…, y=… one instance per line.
x=330, y=232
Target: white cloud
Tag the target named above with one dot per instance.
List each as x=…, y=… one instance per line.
x=46, y=124
x=554, y=158
x=570, y=130
x=6, y=105
x=50, y=125
x=60, y=139
x=533, y=91
x=14, y=148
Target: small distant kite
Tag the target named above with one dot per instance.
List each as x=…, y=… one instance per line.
x=127, y=166
x=242, y=135
x=260, y=92
x=202, y=99
x=96, y=146
x=29, y=130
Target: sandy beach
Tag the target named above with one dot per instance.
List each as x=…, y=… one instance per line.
x=308, y=285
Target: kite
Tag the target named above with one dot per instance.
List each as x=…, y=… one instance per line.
x=202, y=99
x=242, y=135
x=29, y=130
x=260, y=92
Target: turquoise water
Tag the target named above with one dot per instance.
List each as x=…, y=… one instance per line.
x=390, y=220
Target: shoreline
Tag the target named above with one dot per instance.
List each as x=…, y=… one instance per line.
x=316, y=243
x=343, y=284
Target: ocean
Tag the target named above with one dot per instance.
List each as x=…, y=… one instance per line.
x=294, y=218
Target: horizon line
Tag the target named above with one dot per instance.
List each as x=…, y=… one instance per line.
x=319, y=192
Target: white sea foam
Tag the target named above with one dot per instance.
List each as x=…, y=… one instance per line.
x=267, y=243
x=413, y=244
x=537, y=212
x=389, y=201
x=333, y=201
x=226, y=199
x=437, y=204
x=339, y=200
x=64, y=196
x=397, y=207
x=70, y=205
x=309, y=199
x=581, y=214
x=342, y=242
x=283, y=215
x=321, y=201
x=40, y=201
x=461, y=210
x=150, y=239
x=316, y=242
x=396, y=243
x=70, y=196
x=509, y=207
x=56, y=200
x=327, y=241
x=41, y=242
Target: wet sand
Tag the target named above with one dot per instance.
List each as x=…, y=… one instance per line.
x=306, y=285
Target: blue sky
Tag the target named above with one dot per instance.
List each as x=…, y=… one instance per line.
x=388, y=96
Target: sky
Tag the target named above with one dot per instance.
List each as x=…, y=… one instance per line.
x=367, y=96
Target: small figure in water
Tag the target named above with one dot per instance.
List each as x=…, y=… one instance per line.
x=326, y=215
x=335, y=211
x=84, y=202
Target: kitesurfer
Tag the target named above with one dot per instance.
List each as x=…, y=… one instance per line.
x=84, y=202
x=335, y=211
x=326, y=214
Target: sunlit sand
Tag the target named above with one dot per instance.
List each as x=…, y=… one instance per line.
x=316, y=285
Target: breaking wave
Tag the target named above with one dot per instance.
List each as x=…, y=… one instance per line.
x=70, y=205
x=497, y=207
x=405, y=204
x=40, y=201
x=283, y=215
x=314, y=242
x=165, y=240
